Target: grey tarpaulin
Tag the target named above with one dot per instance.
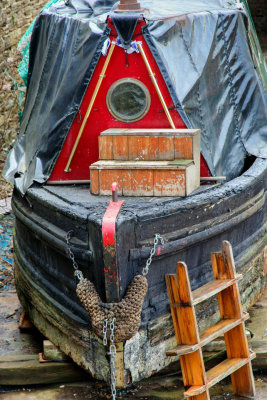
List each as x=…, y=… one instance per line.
x=203, y=52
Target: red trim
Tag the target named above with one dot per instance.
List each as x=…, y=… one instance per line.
x=109, y=223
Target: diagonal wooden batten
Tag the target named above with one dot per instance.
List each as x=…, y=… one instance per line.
x=89, y=109
x=156, y=86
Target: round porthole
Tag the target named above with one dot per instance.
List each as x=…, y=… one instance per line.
x=128, y=100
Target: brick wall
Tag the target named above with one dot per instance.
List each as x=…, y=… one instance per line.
x=15, y=17
x=258, y=9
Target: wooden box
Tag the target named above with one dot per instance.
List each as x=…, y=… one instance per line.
x=149, y=144
x=145, y=178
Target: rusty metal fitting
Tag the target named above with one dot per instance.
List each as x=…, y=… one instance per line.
x=129, y=5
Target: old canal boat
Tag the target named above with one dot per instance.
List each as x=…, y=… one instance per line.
x=149, y=71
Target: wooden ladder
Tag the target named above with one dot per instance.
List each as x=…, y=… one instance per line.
x=190, y=341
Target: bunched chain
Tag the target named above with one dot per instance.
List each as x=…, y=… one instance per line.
x=157, y=238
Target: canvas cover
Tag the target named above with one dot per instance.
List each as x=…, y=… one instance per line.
x=203, y=53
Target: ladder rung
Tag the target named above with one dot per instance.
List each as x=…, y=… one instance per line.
x=182, y=349
x=224, y=325
x=211, y=288
x=208, y=335
x=226, y=368
x=194, y=391
x=218, y=373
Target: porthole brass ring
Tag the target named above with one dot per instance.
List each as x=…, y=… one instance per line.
x=128, y=100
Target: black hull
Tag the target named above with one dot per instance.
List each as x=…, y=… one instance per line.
x=192, y=227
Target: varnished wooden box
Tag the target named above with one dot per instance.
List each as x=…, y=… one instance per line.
x=147, y=162
x=149, y=144
x=145, y=178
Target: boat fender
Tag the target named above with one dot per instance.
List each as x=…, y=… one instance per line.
x=127, y=312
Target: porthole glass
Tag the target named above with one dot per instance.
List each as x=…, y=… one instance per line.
x=128, y=100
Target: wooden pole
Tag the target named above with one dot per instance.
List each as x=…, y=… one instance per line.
x=156, y=86
x=101, y=76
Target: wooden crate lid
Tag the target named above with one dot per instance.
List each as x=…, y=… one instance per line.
x=150, y=132
x=111, y=164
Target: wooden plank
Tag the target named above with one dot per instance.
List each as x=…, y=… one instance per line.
x=227, y=253
x=27, y=370
x=150, y=132
x=224, y=369
x=211, y=288
x=106, y=177
x=208, y=335
x=217, y=262
x=243, y=381
x=143, y=148
x=184, y=319
x=137, y=183
x=168, y=165
x=94, y=185
x=172, y=289
x=52, y=352
x=141, y=178
x=166, y=148
x=120, y=148
x=237, y=347
x=185, y=311
x=228, y=308
x=183, y=147
x=192, y=178
x=193, y=370
x=24, y=322
x=224, y=267
x=223, y=326
x=105, y=146
x=169, y=183
x=119, y=366
x=182, y=349
x=194, y=391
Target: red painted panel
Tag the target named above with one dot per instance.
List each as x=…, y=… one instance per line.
x=100, y=118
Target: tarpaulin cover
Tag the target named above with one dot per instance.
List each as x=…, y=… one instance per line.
x=204, y=57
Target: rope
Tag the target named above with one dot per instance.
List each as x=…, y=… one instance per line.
x=127, y=312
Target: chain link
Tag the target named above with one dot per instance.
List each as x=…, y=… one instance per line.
x=157, y=238
x=105, y=328
x=112, y=353
x=77, y=272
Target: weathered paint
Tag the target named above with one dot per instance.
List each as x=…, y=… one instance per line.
x=192, y=227
x=109, y=251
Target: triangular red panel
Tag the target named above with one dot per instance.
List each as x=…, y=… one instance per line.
x=100, y=118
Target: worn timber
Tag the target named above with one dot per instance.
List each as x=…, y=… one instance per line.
x=190, y=226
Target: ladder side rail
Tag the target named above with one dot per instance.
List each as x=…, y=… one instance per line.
x=230, y=307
